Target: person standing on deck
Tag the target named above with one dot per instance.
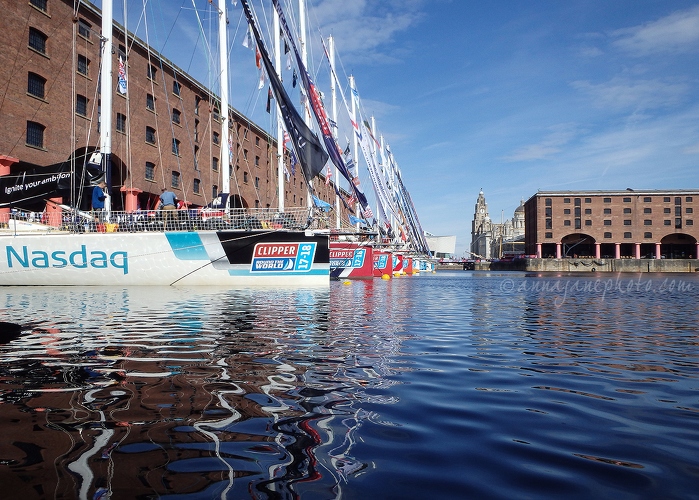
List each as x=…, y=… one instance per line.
x=168, y=203
x=98, y=197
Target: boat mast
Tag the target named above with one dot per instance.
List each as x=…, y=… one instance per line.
x=355, y=139
x=304, y=60
x=333, y=93
x=106, y=93
x=388, y=175
x=223, y=115
x=280, y=132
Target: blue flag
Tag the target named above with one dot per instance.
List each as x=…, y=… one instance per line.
x=324, y=205
x=356, y=220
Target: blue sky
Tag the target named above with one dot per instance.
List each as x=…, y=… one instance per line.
x=508, y=96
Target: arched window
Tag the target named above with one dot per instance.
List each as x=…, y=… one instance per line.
x=37, y=40
x=35, y=134
x=36, y=85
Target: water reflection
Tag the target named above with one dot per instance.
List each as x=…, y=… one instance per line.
x=459, y=385
x=204, y=393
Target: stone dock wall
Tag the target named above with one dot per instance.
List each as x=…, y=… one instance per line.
x=594, y=265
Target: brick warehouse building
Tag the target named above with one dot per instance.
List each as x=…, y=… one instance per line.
x=165, y=133
x=612, y=224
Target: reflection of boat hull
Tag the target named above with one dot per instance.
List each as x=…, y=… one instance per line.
x=225, y=258
x=351, y=260
x=407, y=265
x=397, y=264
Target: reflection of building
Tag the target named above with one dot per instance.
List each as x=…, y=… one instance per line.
x=157, y=391
x=491, y=240
x=614, y=224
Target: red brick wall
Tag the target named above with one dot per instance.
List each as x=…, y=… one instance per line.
x=631, y=206
x=56, y=112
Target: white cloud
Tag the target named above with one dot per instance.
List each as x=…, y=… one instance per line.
x=677, y=32
x=361, y=28
x=692, y=149
x=533, y=152
x=438, y=145
x=621, y=93
x=646, y=154
x=551, y=145
x=589, y=52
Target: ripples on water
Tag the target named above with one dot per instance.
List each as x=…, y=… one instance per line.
x=454, y=385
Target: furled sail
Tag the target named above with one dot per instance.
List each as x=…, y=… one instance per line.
x=364, y=135
x=308, y=148
x=334, y=151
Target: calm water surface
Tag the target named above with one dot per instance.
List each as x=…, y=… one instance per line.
x=447, y=385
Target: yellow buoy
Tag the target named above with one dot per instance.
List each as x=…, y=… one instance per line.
x=347, y=282
x=385, y=277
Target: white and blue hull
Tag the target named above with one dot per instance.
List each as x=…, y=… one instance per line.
x=220, y=258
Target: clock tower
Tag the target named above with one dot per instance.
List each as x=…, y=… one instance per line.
x=481, y=229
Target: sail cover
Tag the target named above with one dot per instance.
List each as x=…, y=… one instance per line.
x=32, y=182
x=308, y=148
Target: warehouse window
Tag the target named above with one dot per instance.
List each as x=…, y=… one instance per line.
x=83, y=65
x=37, y=41
x=35, y=134
x=150, y=135
x=150, y=171
x=36, y=85
x=39, y=4
x=84, y=29
x=81, y=105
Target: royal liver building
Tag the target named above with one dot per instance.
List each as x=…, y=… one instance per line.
x=491, y=240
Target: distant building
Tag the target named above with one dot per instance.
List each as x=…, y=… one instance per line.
x=491, y=240
x=612, y=224
x=442, y=247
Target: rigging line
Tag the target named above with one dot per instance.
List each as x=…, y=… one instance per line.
x=21, y=40
x=194, y=51
x=206, y=133
x=39, y=108
x=233, y=158
x=175, y=147
x=215, y=175
x=253, y=97
x=73, y=124
x=14, y=65
x=155, y=106
x=128, y=99
x=195, y=151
